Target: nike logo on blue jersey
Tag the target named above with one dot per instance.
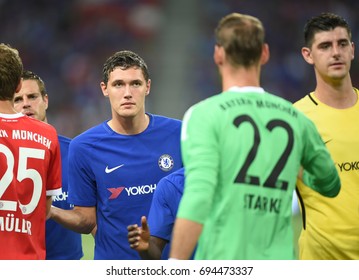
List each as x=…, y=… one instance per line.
x=109, y=170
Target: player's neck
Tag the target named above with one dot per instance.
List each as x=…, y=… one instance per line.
x=336, y=95
x=240, y=77
x=6, y=107
x=129, y=126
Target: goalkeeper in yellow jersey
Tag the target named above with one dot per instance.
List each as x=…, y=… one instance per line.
x=331, y=225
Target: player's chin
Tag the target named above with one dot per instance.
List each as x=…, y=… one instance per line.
x=127, y=113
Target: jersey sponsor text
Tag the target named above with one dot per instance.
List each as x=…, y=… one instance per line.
x=348, y=166
x=61, y=197
x=138, y=190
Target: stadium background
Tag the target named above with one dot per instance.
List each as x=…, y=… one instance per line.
x=66, y=43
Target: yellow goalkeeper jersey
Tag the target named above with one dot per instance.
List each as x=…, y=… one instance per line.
x=331, y=225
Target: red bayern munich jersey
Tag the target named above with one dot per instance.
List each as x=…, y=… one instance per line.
x=30, y=170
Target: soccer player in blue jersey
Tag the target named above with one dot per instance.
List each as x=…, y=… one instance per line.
x=32, y=100
x=115, y=166
x=154, y=244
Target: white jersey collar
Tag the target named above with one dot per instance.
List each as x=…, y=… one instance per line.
x=11, y=116
x=246, y=89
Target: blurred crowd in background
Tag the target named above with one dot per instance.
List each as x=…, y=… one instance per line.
x=66, y=43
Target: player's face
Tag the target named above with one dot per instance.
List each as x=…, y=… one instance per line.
x=29, y=100
x=126, y=90
x=331, y=53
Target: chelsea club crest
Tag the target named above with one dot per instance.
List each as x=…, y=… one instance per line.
x=165, y=162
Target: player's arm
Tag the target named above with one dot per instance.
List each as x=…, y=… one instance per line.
x=319, y=171
x=79, y=219
x=48, y=206
x=200, y=157
x=93, y=231
x=185, y=237
x=328, y=186
x=156, y=246
x=149, y=247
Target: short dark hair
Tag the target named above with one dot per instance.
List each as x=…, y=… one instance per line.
x=323, y=22
x=242, y=37
x=124, y=59
x=29, y=75
x=11, y=68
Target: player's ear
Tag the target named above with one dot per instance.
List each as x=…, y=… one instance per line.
x=307, y=55
x=265, y=54
x=104, y=89
x=218, y=55
x=46, y=100
x=148, y=86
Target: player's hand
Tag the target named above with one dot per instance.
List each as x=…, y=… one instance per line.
x=300, y=173
x=138, y=237
x=49, y=214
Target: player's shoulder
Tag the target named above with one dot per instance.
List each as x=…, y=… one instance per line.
x=92, y=133
x=163, y=119
x=43, y=127
x=299, y=114
x=164, y=124
x=35, y=122
x=213, y=100
x=175, y=176
x=270, y=97
x=306, y=103
x=64, y=140
x=210, y=104
x=175, y=180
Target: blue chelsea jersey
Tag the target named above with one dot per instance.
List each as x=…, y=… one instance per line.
x=118, y=174
x=164, y=207
x=62, y=243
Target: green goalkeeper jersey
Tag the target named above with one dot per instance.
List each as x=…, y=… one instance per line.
x=242, y=152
